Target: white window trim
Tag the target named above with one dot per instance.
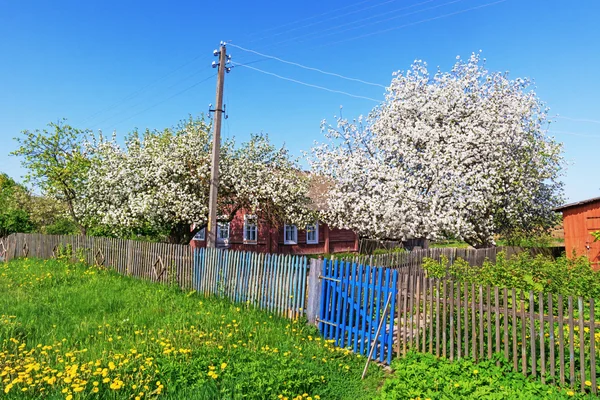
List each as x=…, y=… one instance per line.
x=295, y=240
x=200, y=235
x=316, y=240
x=245, y=238
x=220, y=240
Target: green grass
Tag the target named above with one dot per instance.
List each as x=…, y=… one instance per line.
x=424, y=377
x=72, y=330
x=449, y=244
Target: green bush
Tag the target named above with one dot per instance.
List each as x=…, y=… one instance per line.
x=569, y=277
x=423, y=376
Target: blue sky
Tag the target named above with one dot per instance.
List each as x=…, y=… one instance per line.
x=117, y=65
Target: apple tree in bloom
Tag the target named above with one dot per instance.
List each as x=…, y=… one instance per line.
x=160, y=180
x=462, y=153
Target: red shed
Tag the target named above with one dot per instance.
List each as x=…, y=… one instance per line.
x=580, y=220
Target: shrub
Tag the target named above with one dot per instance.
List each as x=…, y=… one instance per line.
x=569, y=277
x=422, y=376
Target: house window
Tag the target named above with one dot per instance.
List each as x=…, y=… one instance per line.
x=250, y=231
x=312, y=233
x=290, y=234
x=200, y=235
x=223, y=233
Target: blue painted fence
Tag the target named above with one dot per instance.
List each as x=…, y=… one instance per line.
x=353, y=300
x=276, y=283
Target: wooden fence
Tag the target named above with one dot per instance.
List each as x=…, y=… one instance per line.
x=543, y=335
x=358, y=305
x=274, y=283
x=474, y=257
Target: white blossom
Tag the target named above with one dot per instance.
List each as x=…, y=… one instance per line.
x=461, y=153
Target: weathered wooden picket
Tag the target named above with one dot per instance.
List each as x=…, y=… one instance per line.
x=542, y=335
x=276, y=283
x=358, y=306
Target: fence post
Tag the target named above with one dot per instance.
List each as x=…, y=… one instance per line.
x=314, y=291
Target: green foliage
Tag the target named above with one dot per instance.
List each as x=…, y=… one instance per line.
x=13, y=216
x=449, y=244
x=569, y=277
x=423, y=376
x=56, y=163
x=395, y=250
x=596, y=236
x=528, y=240
x=180, y=345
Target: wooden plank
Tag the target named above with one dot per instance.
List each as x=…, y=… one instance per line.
x=581, y=343
x=402, y=301
x=466, y=319
x=571, y=343
x=542, y=337
x=532, y=334
x=473, y=324
x=489, y=322
x=459, y=340
x=444, y=319
x=552, y=358
x=514, y=330
x=431, y=314
x=505, y=323
x=561, y=340
x=452, y=320
x=523, y=335
x=411, y=309
x=437, y=318
x=418, y=312
x=497, y=318
x=593, y=347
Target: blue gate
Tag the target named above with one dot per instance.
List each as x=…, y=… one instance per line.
x=358, y=305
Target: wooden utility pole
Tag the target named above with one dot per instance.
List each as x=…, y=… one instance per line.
x=211, y=240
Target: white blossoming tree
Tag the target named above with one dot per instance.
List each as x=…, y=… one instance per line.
x=461, y=153
x=160, y=180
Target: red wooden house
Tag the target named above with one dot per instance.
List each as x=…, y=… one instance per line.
x=247, y=233
x=579, y=221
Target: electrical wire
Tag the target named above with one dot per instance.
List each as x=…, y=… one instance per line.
x=165, y=100
x=414, y=23
x=593, y=121
x=306, y=67
x=325, y=20
x=309, y=84
x=139, y=103
x=138, y=91
x=353, y=24
x=574, y=134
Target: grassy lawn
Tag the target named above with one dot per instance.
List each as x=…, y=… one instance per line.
x=68, y=331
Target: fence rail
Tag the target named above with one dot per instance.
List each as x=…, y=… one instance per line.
x=475, y=257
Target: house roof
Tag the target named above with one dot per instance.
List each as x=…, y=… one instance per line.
x=318, y=188
x=578, y=203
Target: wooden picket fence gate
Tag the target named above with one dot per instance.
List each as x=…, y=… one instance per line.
x=548, y=336
x=358, y=305
x=276, y=283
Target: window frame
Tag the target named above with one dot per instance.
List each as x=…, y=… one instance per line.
x=316, y=230
x=294, y=240
x=247, y=226
x=224, y=240
x=200, y=235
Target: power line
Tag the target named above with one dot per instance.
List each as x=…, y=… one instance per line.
x=415, y=23
x=593, y=121
x=307, y=19
x=353, y=25
x=575, y=134
x=306, y=67
x=139, y=103
x=138, y=91
x=325, y=20
x=165, y=100
x=309, y=84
